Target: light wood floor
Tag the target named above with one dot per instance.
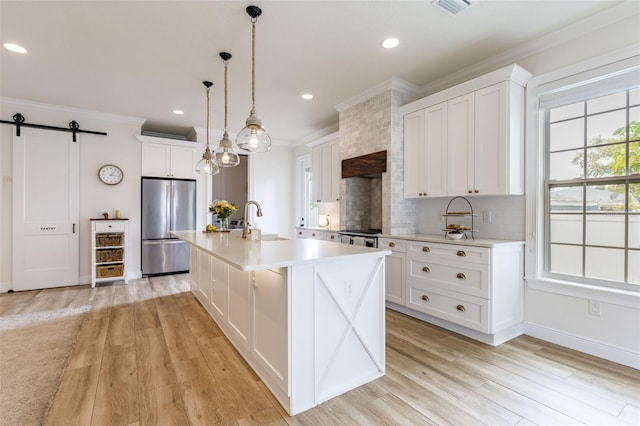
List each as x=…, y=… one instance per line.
x=149, y=354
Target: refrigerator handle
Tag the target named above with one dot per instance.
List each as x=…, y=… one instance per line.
x=168, y=209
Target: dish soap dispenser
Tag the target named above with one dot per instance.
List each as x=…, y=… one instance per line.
x=256, y=235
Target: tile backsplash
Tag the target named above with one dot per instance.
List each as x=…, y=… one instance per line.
x=506, y=215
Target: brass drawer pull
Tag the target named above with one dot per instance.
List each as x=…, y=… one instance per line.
x=425, y=269
x=461, y=253
x=300, y=233
x=392, y=244
x=425, y=297
x=333, y=237
x=461, y=276
x=460, y=308
x=313, y=235
x=426, y=249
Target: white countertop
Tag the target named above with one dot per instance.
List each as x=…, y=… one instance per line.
x=248, y=255
x=431, y=238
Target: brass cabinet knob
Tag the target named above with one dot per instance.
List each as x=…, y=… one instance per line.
x=425, y=297
x=313, y=235
x=299, y=232
x=392, y=244
x=426, y=249
x=476, y=191
x=461, y=276
x=461, y=253
x=426, y=269
x=470, y=191
x=460, y=308
x=333, y=237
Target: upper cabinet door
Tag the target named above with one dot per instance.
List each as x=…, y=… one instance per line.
x=434, y=156
x=413, y=148
x=491, y=140
x=155, y=160
x=183, y=164
x=460, y=150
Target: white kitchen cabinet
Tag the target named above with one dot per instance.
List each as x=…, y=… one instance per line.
x=219, y=288
x=269, y=342
x=166, y=160
x=460, y=145
x=395, y=265
x=467, y=140
x=479, y=288
x=109, y=250
x=315, y=234
x=204, y=277
x=239, y=304
x=325, y=165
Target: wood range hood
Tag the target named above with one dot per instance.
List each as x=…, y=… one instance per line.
x=369, y=165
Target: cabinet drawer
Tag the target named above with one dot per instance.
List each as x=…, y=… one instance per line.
x=109, y=227
x=393, y=244
x=435, y=251
x=333, y=237
x=468, y=311
x=471, y=279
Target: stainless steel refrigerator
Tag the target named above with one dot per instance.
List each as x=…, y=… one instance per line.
x=167, y=205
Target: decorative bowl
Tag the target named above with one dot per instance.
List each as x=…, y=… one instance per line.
x=454, y=235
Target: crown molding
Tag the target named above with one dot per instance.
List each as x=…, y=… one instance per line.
x=21, y=103
x=322, y=133
x=570, y=32
x=394, y=83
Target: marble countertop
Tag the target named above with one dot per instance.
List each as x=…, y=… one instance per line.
x=432, y=238
x=248, y=255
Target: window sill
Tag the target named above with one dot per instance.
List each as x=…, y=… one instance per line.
x=585, y=291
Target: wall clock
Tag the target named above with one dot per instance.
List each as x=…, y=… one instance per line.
x=110, y=174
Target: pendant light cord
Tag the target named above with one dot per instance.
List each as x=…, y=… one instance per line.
x=225, y=95
x=208, y=88
x=253, y=62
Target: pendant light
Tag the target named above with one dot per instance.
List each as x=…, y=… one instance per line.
x=253, y=138
x=207, y=166
x=224, y=155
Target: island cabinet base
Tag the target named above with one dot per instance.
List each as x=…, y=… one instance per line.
x=310, y=332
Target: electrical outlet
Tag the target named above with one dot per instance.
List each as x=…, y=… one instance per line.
x=594, y=308
x=486, y=216
x=348, y=288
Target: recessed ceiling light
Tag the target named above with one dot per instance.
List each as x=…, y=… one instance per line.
x=307, y=96
x=14, y=48
x=390, y=43
x=178, y=112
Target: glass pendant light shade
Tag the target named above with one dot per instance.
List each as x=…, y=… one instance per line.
x=207, y=166
x=225, y=155
x=253, y=138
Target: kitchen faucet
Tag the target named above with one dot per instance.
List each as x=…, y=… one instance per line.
x=246, y=208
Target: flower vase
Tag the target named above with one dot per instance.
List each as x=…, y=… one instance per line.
x=224, y=224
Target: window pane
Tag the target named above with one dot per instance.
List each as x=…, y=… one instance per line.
x=606, y=128
x=565, y=228
x=607, y=103
x=605, y=230
x=604, y=263
x=567, y=111
x=567, y=198
x=566, y=165
x=567, y=135
x=602, y=198
x=634, y=159
x=634, y=231
x=609, y=160
x=565, y=259
x=634, y=96
x=634, y=197
x=634, y=267
x=634, y=124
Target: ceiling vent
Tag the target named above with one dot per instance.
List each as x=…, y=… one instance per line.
x=453, y=7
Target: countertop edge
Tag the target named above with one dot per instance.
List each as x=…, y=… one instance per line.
x=478, y=242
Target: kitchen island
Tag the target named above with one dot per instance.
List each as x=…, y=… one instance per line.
x=307, y=315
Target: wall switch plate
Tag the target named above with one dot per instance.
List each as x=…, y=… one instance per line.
x=348, y=289
x=594, y=308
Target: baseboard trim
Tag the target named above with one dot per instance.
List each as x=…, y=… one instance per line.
x=581, y=344
x=490, y=339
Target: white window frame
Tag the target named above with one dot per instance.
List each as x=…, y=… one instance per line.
x=302, y=204
x=535, y=191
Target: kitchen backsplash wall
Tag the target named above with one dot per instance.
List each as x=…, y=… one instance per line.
x=363, y=204
x=505, y=213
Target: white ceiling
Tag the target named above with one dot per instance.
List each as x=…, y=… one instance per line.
x=146, y=58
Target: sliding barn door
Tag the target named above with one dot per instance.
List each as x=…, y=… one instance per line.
x=45, y=209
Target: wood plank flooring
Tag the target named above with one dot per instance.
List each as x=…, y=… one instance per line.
x=149, y=354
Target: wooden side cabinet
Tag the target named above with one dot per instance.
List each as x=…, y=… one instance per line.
x=109, y=249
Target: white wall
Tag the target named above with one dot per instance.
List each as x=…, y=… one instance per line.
x=271, y=185
x=118, y=147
